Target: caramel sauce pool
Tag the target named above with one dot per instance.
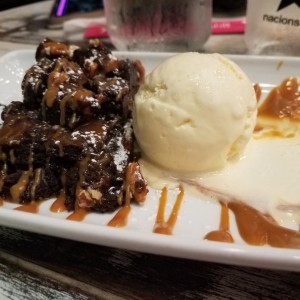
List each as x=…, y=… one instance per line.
x=259, y=229
x=32, y=207
x=78, y=215
x=223, y=234
x=254, y=227
x=283, y=101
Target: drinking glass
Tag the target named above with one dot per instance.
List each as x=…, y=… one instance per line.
x=165, y=25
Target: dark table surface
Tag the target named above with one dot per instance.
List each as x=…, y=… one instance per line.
x=33, y=266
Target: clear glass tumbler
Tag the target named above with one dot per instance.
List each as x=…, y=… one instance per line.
x=164, y=25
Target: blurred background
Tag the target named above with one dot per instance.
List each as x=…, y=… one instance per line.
x=269, y=30
x=75, y=20
x=6, y=4
x=73, y=5
x=229, y=6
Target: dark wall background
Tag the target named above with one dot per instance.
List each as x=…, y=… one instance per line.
x=6, y=4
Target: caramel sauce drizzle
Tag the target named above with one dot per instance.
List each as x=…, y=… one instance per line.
x=36, y=182
x=254, y=227
x=257, y=90
x=59, y=204
x=62, y=105
x=32, y=207
x=121, y=217
x=166, y=227
x=17, y=189
x=83, y=165
x=259, y=229
x=78, y=215
x=55, y=48
x=1, y=181
x=223, y=234
x=14, y=131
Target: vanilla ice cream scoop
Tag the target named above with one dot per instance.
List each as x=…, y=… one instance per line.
x=194, y=112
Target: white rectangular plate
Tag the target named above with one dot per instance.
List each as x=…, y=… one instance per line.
x=197, y=216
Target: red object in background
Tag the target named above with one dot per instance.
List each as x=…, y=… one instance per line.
x=221, y=26
x=228, y=26
x=95, y=31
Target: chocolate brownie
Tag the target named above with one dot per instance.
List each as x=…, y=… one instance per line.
x=73, y=130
